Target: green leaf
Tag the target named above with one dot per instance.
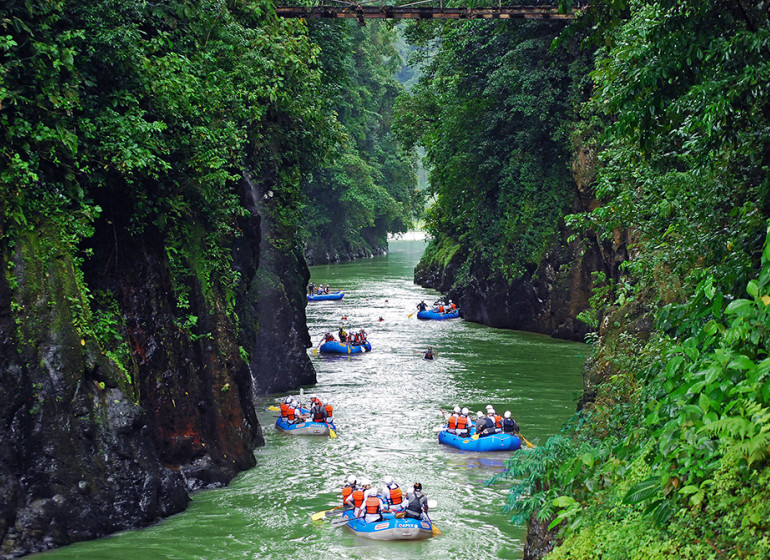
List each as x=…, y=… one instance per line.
x=642, y=491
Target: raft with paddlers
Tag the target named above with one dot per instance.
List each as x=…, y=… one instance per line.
x=436, y=315
x=336, y=347
x=306, y=428
x=492, y=442
x=322, y=297
x=390, y=528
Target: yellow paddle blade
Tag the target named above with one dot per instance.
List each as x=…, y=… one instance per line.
x=475, y=436
x=410, y=315
x=315, y=350
x=332, y=433
x=436, y=531
x=319, y=515
x=275, y=408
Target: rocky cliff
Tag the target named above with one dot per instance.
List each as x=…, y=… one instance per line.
x=109, y=432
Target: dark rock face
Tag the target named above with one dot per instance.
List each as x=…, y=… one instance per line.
x=548, y=301
x=88, y=447
x=324, y=251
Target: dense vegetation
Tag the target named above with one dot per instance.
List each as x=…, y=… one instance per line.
x=670, y=459
x=492, y=110
x=369, y=189
x=160, y=107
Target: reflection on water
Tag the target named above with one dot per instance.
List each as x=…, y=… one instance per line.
x=387, y=404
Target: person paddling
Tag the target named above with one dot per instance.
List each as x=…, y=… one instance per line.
x=509, y=424
x=422, y=306
x=429, y=354
x=417, y=503
x=393, y=494
x=347, y=490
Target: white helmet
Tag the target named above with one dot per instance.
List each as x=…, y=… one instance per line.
x=465, y=411
x=366, y=482
x=457, y=410
x=287, y=400
x=351, y=479
x=387, y=479
x=489, y=406
x=491, y=411
x=507, y=414
x=479, y=414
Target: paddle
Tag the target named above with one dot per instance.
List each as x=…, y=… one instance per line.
x=322, y=514
x=436, y=530
x=340, y=522
x=332, y=433
x=525, y=440
x=410, y=315
x=274, y=408
x=315, y=350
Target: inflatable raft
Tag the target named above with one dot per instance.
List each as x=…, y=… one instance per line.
x=323, y=297
x=494, y=442
x=436, y=316
x=390, y=528
x=304, y=428
x=337, y=347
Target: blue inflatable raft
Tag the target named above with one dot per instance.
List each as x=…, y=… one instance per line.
x=323, y=297
x=337, y=347
x=494, y=442
x=436, y=316
x=390, y=528
x=304, y=428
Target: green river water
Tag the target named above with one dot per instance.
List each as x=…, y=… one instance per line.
x=386, y=409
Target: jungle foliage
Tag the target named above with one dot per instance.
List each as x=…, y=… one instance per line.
x=160, y=107
x=493, y=110
x=671, y=459
x=370, y=187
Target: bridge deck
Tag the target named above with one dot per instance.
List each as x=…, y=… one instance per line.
x=421, y=12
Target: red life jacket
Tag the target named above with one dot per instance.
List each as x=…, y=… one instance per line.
x=396, y=496
x=452, y=422
x=372, y=504
x=318, y=416
x=462, y=422
x=358, y=498
x=346, y=491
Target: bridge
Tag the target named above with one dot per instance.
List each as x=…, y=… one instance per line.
x=375, y=9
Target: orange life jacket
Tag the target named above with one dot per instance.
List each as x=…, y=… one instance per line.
x=498, y=421
x=329, y=410
x=462, y=422
x=440, y=308
x=285, y=410
x=454, y=307
x=396, y=496
x=290, y=413
x=346, y=491
x=358, y=498
x=372, y=504
x=452, y=422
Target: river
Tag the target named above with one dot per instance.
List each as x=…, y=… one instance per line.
x=387, y=404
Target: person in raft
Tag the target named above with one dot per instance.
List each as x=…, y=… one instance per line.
x=347, y=489
x=463, y=423
x=374, y=507
x=342, y=334
x=422, y=306
x=429, y=354
x=393, y=494
x=358, y=498
x=417, y=503
x=509, y=424
x=485, y=426
x=318, y=411
x=311, y=288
